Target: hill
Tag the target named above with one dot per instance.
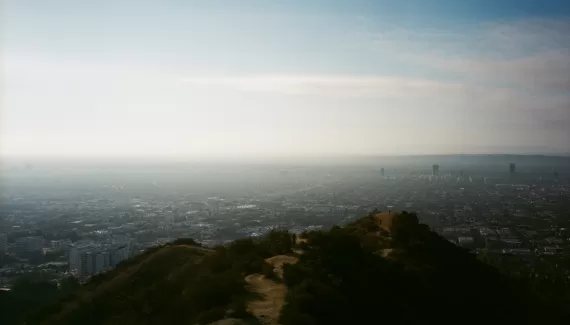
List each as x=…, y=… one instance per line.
x=383, y=268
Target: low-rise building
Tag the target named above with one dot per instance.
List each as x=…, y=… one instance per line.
x=26, y=245
x=3, y=243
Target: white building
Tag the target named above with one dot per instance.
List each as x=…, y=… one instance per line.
x=81, y=259
x=465, y=241
x=88, y=258
x=59, y=245
x=102, y=262
x=118, y=254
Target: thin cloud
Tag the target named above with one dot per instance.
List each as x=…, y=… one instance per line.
x=413, y=91
x=540, y=72
x=529, y=35
x=530, y=54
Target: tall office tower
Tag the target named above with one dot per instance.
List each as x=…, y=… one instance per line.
x=461, y=173
x=382, y=171
x=213, y=205
x=512, y=167
x=556, y=174
x=435, y=169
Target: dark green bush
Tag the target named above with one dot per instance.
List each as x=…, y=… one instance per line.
x=211, y=315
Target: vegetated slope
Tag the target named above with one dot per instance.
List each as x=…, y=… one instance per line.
x=175, y=284
x=30, y=293
x=383, y=268
x=342, y=278
x=148, y=287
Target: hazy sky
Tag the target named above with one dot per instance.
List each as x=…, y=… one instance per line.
x=294, y=77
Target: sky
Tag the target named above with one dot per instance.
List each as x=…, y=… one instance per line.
x=283, y=78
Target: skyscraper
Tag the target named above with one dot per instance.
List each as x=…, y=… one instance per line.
x=512, y=167
x=213, y=205
x=382, y=171
x=435, y=169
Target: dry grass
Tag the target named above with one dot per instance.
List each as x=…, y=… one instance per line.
x=385, y=220
x=278, y=262
x=300, y=240
x=230, y=321
x=298, y=251
x=387, y=251
x=272, y=295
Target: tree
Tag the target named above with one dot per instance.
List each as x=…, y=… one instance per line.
x=404, y=226
x=186, y=241
x=68, y=286
x=279, y=242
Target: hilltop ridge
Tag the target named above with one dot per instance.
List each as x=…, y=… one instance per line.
x=384, y=267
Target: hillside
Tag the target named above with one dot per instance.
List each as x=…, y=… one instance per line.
x=383, y=268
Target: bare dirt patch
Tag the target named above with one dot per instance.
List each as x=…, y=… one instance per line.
x=278, y=262
x=385, y=220
x=272, y=293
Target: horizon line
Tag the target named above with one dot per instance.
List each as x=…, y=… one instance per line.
x=274, y=156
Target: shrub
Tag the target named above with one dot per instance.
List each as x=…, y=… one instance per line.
x=186, y=241
x=211, y=315
x=267, y=270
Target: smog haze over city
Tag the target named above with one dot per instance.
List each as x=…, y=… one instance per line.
x=125, y=125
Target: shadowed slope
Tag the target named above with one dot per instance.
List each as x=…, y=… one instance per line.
x=341, y=277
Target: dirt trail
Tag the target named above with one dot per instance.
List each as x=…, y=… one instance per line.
x=267, y=308
x=272, y=293
x=278, y=262
x=385, y=222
